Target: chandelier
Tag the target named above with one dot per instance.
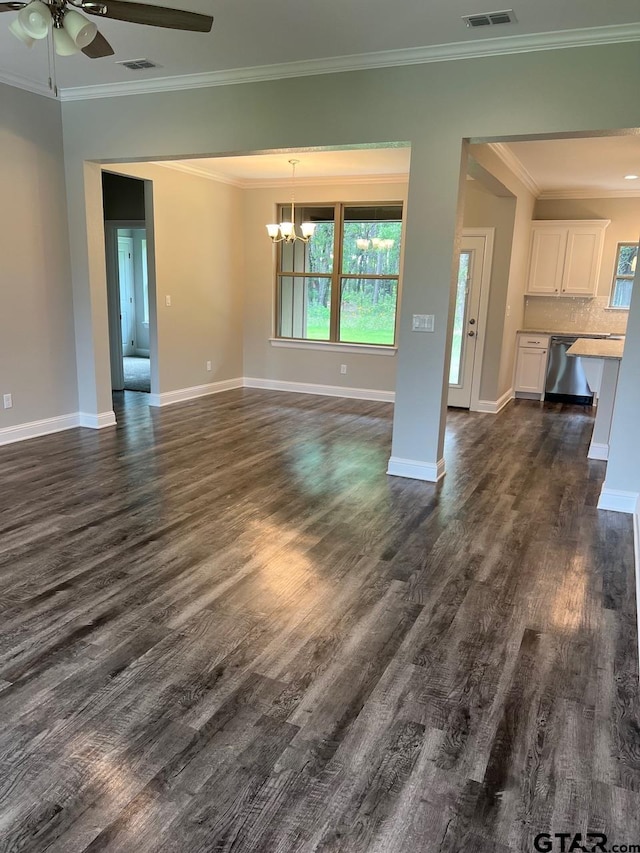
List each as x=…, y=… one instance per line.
x=71, y=31
x=286, y=231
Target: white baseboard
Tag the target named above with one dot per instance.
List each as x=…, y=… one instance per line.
x=492, y=407
x=416, y=470
x=617, y=500
x=598, y=451
x=46, y=426
x=99, y=421
x=181, y=395
x=323, y=390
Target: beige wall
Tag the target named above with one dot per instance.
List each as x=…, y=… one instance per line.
x=37, y=353
x=506, y=304
x=199, y=244
x=261, y=359
x=587, y=315
x=482, y=209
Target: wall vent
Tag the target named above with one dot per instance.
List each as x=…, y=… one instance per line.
x=490, y=19
x=138, y=64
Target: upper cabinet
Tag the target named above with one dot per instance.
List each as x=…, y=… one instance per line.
x=565, y=257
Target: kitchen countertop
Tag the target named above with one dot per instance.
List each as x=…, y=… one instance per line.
x=596, y=348
x=572, y=334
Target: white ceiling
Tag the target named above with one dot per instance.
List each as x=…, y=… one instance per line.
x=313, y=165
x=551, y=168
x=590, y=166
x=258, y=33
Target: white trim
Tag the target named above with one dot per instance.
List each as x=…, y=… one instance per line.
x=416, y=470
x=20, y=82
x=99, y=421
x=514, y=164
x=588, y=193
x=636, y=551
x=332, y=346
x=492, y=407
x=323, y=390
x=32, y=429
x=598, y=451
x=167, y=398
x=617, y=500
x=471, y=49
x=264, y=183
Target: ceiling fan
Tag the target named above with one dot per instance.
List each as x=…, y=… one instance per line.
x=72, y=32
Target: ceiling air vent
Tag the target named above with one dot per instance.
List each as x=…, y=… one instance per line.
x=490, y=19
x=138, y=64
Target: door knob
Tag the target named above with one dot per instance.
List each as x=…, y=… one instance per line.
x=472, y=322
x=472, y=334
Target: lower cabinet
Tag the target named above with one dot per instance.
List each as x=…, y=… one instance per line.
x=531, y=365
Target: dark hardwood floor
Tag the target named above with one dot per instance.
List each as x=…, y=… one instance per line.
x=224, y=628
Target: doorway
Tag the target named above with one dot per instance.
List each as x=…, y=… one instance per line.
x=128, y=290
x=470, y=314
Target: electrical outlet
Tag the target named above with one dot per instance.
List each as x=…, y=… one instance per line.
x=167, y=301
x=343, y=369
x=208, y=365
x=8, y=401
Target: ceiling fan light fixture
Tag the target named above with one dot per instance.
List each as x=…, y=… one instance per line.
x=80, y=29
x=17, y=30
x=35, y=19
x=63, y=43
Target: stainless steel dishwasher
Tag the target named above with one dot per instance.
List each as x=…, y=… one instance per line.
x=566, y=380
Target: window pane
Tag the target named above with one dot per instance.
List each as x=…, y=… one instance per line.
x=621, y=297
x=368, y=310
x=305, y=306
x=316, y=256
x=626, y=254
x=457, y=344
x=371, y=247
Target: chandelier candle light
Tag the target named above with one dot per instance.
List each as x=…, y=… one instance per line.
x=286, y=231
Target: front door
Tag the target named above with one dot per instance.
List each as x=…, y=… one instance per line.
x=464, y=358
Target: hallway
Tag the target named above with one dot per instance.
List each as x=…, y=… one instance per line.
x=225, y=628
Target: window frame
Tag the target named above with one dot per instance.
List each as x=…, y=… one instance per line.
x=623, y=277
x=336, y=276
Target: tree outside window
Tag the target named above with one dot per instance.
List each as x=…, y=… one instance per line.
x=625, y=268
x=343, y=285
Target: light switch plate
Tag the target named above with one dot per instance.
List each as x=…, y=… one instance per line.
x=423, y=323
x=7, y=401
x=167, y=301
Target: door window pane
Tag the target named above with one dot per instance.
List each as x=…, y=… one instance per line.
x=368, y=310
x=305, y=307
x=459, y=319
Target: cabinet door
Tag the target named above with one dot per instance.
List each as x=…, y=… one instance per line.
x=582, y=261
x=548, y=247
x=531, y=370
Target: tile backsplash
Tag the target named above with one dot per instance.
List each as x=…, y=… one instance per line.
x=564, y=314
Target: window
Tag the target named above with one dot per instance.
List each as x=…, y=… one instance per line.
x=625, y=269
x=342, y=286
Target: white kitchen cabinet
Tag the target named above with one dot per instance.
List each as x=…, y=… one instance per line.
x=565, y=257
x=531, y=365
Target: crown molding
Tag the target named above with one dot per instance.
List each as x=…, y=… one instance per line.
x=20, y=82
x=501, y=150
x=382, y=59
x=549, y=195
x=264, y=183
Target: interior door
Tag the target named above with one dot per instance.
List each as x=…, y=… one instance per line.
x=465, y=323
x=127, y=300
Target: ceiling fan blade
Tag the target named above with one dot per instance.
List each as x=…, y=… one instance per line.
x=11, y=7
x=98, y=48
x=154, y=16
